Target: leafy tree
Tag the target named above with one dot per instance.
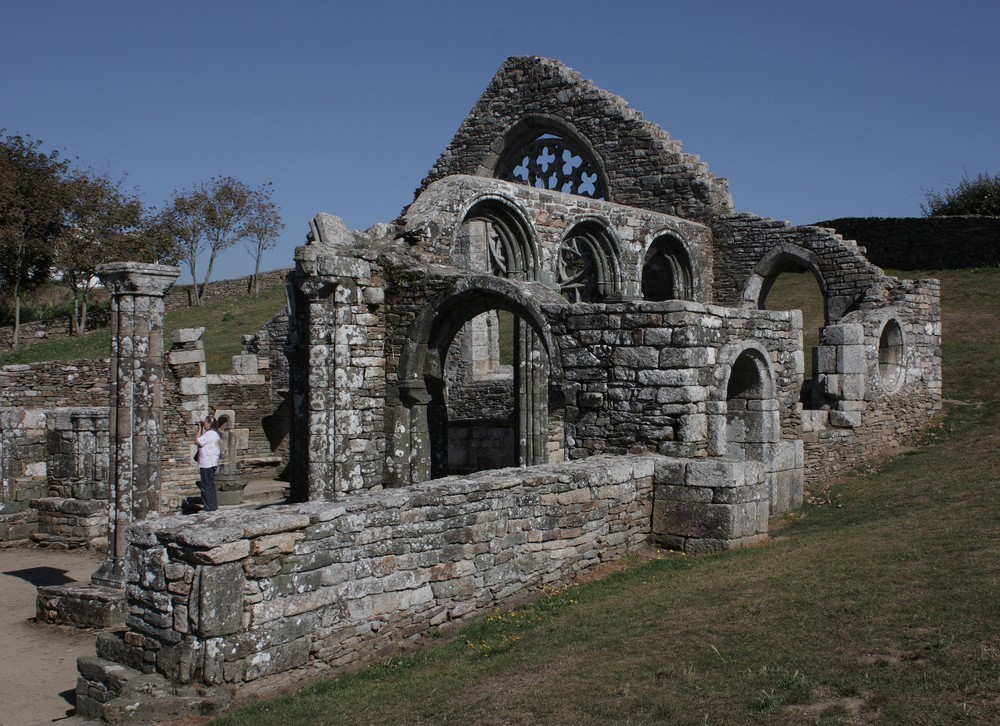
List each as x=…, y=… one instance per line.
x=970, y=196
x=262, y=229
x=211, y=217
x=32, y=198
x=102, y=224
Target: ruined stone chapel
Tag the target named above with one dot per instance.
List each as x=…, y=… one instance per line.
x=560, y=351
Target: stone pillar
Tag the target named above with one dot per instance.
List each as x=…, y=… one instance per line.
x=135, y=424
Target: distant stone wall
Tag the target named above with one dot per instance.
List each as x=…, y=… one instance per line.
x=182, y=296
x=924, y=243
x=178, y=297
x=54, y=329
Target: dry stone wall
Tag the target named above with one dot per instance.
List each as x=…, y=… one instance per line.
x=54, y=329
x=182, y=296
x=924, y=243
x=238, y=597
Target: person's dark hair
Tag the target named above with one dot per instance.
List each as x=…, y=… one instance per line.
x=210, y=420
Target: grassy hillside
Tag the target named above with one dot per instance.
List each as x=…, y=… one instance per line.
x=225, y=323
x=879, y=607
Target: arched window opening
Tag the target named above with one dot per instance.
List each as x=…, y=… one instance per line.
x=499, y=241
x=550, y=160
x=666, y=272
x=588, y=264
x=890, y=356
x=747, y=428
x=793, y=286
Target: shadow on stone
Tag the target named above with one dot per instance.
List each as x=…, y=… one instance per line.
x=42, y=576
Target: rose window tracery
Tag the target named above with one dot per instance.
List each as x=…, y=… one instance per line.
x=552, y=162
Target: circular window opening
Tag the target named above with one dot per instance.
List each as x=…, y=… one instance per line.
x=890, y=356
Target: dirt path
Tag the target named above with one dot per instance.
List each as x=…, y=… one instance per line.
x=38, y=662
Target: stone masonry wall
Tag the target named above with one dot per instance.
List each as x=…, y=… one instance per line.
x=644, y=167
x=240, y=596
x=55, y=384
x=924, y=243
x=883, y=418
x=745, y=242
x=640, y=375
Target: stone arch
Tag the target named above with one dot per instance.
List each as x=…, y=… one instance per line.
x=589, y=262
x=495, y=236
x=419, y=422
x=781, y=259
x=743, y=415
x=666, y=271
x=576, y=168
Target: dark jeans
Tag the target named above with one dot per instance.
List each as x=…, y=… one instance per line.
x=207, y=487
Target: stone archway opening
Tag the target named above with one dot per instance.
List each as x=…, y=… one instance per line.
x=793, y=285
x=750, y=407
x=474, y=385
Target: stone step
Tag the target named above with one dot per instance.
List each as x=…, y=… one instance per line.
x=119, y=694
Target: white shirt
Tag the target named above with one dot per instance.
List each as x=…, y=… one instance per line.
x=208, y=448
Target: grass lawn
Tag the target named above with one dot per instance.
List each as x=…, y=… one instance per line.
x=879, y=606
x=225, y=323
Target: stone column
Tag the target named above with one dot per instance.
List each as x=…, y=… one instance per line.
x=135, y=424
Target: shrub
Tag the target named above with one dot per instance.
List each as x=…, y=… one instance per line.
x=970, y=196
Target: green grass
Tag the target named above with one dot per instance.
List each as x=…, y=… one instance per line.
x=225, y=323
x=878, y=607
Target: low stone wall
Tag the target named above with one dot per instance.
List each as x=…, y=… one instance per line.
x=237, y=597
x=55, y=329
x=183, y=296
x=924, y=243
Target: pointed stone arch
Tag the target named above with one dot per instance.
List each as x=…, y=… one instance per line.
x=589, y=267
x=546, y=151
x=495, y=236
x=788, y=257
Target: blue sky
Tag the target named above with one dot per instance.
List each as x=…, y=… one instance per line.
x=812, y=110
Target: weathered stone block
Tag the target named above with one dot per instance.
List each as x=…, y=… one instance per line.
x=220, y=600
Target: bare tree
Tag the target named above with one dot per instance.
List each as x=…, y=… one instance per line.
x=211, y=217
x=262, y=230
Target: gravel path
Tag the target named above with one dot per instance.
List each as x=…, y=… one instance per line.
x=38, y=662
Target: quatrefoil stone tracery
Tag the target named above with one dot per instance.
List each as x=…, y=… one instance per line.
x=551, y=162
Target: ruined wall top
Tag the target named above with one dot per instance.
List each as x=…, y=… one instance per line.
x=640, y=165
